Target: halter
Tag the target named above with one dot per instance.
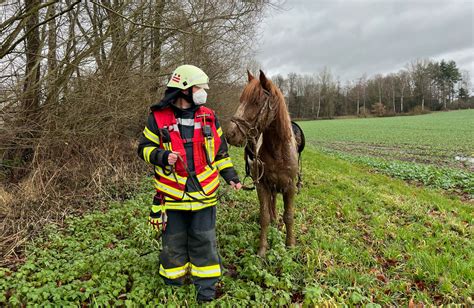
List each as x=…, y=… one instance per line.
x=252, y=128
x=252, y=132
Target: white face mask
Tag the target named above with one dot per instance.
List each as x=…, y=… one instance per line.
x=200, y=97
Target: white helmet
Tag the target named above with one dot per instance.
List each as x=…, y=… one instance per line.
x=186, y=76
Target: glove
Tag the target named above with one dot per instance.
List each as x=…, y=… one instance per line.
x=157, y=218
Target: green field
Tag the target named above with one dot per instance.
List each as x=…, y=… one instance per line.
x=362, y=239
x=434, y=138
x=414, y=148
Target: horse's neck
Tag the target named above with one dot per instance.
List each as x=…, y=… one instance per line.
x=277, y=134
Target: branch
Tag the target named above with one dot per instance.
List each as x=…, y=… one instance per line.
x=7, y=50
x=26, y=14
x=138, y=23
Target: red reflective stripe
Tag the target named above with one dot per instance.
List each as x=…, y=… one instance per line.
x=206, y=181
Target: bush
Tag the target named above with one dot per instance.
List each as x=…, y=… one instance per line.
x=83, y=151
x=378, y=109
x=417, y=110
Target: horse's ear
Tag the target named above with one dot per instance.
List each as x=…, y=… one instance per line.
x=250, y=76
x=264, y=81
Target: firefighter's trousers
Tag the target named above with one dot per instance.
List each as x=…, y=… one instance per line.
x=189, y=246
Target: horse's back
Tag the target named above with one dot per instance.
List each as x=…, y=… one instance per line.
x=299, y=136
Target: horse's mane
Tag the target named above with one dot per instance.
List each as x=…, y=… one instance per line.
x=254, y=91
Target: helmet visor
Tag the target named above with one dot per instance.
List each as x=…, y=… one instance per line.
x=203, y=86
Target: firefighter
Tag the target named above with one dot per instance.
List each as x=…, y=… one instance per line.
x=184, y=142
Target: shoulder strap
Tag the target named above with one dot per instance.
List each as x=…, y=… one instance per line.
x=164, y=117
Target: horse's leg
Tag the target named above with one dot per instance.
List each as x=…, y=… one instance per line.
x=272, y=207
x=288, y=216
x=264, y=198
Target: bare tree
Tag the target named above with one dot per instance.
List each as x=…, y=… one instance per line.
x=404, y=79
x=379, y=79
x=392, y=80
x=419, y=71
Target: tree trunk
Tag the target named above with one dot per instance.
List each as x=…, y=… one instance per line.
x=422, y=95
x=32, y=73
x=380, y=93
x=401, y=104
x=22, y=148
x=402, y=92
x=358, y=106
x=319, y=104
x=118, y=51
x=393, y=101
x=156, y=36
x=364, y=96
x=52, y=92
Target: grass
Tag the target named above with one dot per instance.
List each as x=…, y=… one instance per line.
x=434, y=138
x=416, y=148
x=450, y=179
x=362, y=239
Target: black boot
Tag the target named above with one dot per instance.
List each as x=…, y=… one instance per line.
x=207, y=296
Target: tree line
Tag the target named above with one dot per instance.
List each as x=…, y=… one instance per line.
x=422, y=86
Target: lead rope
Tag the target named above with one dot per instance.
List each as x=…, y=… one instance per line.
x=257, y=163
x=201, y=192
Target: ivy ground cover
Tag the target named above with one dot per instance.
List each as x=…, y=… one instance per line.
x=362, y=239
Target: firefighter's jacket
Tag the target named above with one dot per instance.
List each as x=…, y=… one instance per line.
x=195, y=133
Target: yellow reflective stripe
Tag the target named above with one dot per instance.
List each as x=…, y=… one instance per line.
x=224, y=163
x=174, y=272
x=207, y=148
x=168, y=189
x=147, y=152
x=206, y=271
x=160, y=172
x=156, y=208
x=201, y=198
x=213, y=184
x=167, y=146
x=189, y=206
x=202, y=206
x=209, y=144
x=206, y=173
x=197, y=195
x=212, y=152
x=150, y=136
x=219, y=131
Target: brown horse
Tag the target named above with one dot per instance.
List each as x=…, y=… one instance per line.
x=262, y=124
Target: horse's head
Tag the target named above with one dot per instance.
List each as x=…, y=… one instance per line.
x=256, y=111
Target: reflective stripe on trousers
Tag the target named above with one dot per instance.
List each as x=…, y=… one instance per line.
x=197, y=271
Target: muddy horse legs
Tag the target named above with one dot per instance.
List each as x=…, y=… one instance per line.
x=264, y=196
x=267, y=200
x=272, y=207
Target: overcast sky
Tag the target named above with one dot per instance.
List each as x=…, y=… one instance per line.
x=351, y=37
